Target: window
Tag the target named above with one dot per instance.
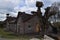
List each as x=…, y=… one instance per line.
x=29, y=26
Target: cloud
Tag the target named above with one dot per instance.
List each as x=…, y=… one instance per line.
x=27, y=6
x=7, y=6
x=31, y=3
x=13, y=6
x=2, y=17
x=26, y=9
x=54, y=1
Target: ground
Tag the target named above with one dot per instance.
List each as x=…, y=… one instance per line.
x=9, y=36
x=45, y=38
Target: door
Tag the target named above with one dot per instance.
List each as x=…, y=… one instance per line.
x=37, y=27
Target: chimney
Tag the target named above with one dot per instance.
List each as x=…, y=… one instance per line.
x=33, y=12
x=7, y=15
x=19, y=13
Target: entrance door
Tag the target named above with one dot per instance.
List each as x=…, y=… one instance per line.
x=37, y=28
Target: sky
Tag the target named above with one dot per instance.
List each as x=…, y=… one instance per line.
x=13, y=6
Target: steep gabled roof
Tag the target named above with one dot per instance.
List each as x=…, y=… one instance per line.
x=24, y=16
x=10, y=19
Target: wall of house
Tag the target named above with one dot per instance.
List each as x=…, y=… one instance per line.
x=20, y=26
x=24, y=27
x=12, y=27
x=30, y=25
x=6, y=26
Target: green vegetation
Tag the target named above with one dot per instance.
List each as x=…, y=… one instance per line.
x=4, y=34
x=1, y=25
x=9, y=35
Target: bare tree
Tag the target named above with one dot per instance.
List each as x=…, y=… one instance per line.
x=43, y=20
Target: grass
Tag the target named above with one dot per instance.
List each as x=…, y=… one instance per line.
x=4, y=34
x=9, y=35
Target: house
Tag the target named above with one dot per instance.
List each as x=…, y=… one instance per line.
x=25, y=23
x=22, y=24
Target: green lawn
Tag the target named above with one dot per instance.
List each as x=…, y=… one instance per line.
x=9, y=35
x=6, y=34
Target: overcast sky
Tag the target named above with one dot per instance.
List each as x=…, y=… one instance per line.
x=13, y=6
